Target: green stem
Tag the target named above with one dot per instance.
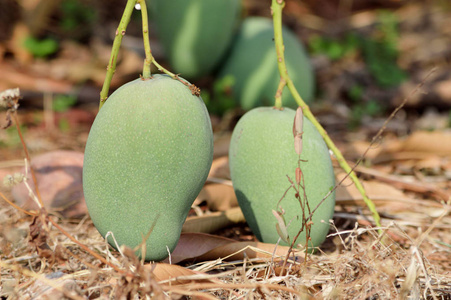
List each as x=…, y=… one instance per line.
x=276, y=8
x=280, y=50
x=149, y=58
x=120, y=32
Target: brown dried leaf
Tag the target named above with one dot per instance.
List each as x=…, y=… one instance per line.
x=240, y=250
x=163, y=272
x=214, y=221
x=192, y=245
x=220, y=168
x=418, y=145
x=219, y=197
x=13, y=77
x=38, y=238
x=437, y=142
x=221, y=145
x=59, y=176
x=385, y=196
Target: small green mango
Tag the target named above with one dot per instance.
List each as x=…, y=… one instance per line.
x=253, y=65
x=195, y=34
x=146, y=159
x=261, y=156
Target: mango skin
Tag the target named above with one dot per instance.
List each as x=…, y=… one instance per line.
x=148, y=155
x=252, y=62
x=195, y=34
x=261, y=156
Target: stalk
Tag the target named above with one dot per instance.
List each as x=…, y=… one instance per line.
x=149, y=60
x=120, y=32
x=145, y=24
x=276, y=9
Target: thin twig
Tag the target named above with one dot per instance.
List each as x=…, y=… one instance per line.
x=16, y=206
x=27, y=156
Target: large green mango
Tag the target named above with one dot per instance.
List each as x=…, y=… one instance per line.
x=261, y=156
x=195, y=34
x=146, y=159
x=253, y=65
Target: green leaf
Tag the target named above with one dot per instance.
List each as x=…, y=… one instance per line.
x=63, y=102
x=41, y=48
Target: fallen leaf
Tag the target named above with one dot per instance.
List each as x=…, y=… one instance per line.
x=220, y=168
x=385, y=196
x=11, y=77
x=212, y=222
x=175, y=275
x=418, y=145
x=59, y=177
x=221, y=145
x=219, y=197
x=406, y=184
x=192, y=245
x=374, y=189
x=240, y=250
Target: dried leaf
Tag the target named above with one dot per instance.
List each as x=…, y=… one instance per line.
x=214, y=221
x=418, y=145
x=192, y=245
x=38, y=238
x=386, y=197
x=219, y=197
x=220, y=168
x=240, y=250
x=163, y=272
x=11, y=76
x=411, y=277
x=222, y=144
x=59, y=176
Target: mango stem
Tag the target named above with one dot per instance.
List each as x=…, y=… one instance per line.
x=148, y=61
x=276, y=9
x=149, y=58
x=120, y=32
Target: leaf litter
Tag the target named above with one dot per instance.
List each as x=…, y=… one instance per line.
x=411, y=258
x=409, y=181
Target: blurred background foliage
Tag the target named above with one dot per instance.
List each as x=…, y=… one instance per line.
x=367, y=55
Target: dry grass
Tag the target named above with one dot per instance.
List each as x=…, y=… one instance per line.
x=43, y=257
x=405, y=262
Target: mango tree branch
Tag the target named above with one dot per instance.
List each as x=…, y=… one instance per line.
x=276, y=9
x=120, y=32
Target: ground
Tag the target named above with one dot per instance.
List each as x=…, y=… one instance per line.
x=383, y=95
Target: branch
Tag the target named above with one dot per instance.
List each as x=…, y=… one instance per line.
x=276, y=8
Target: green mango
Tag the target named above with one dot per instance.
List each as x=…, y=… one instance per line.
x=147, y=157
x=252, y=64
x=261, y=156
x=195, y=34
